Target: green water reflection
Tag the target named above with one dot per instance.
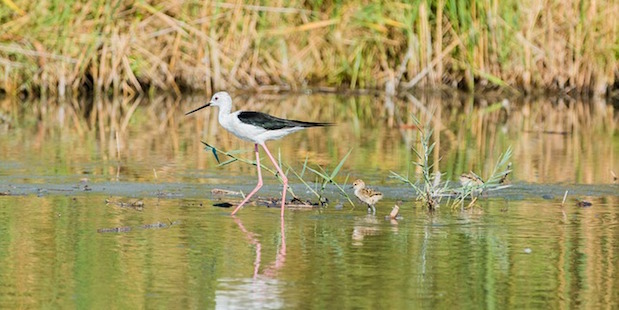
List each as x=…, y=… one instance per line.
x=525, y=254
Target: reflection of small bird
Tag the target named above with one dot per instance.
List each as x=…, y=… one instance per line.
x=367, y=195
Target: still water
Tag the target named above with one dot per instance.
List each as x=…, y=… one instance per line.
x=108, y=204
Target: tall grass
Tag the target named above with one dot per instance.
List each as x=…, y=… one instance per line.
x=124, y=47
x=428, y=187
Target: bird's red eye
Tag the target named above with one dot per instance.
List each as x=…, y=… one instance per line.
x=216, y=98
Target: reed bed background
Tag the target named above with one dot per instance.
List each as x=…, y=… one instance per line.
x=124, y=47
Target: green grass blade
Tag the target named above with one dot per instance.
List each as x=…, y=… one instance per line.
x=227, y=162
x=339, y=166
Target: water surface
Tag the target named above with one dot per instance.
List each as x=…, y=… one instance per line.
x=63, y=251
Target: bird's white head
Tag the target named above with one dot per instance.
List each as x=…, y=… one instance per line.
x=358, y=184
x=221, y=99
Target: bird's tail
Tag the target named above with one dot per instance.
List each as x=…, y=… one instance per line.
x=312, y=124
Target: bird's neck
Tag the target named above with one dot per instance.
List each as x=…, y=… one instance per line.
x=224, y=112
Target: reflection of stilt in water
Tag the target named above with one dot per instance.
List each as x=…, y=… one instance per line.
x=281, y=255
x=252, y=240
x=280, y=258
x=263, y=290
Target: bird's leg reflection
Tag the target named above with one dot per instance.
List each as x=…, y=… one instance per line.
x=270, y=270
x=281, y=254
x=252, y=240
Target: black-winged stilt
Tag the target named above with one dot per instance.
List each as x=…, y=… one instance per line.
x=256, y=127
x=367, y=195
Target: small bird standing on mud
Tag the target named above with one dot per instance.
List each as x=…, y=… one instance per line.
x=258, y=128
x=367, y=195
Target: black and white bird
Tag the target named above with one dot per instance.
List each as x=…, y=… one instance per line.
x=256, y=127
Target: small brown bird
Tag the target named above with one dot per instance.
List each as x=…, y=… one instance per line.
x=471, y=179
x=367, y=195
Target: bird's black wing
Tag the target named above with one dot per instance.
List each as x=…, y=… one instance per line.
x=270, y=122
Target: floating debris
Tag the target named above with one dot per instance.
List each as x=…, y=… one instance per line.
x=223, y=205
x=298, y=203
x=583, y=203
x=154, y=225
x=145, y=226
x=324, y=201
x=394, y=215
x=394, y=212
x=225, y=192
x=157, y=225
x=114, y=230
x=166, y=194
x=295, y=203
x=270, y=202
x=137, y=205
x=564, y=198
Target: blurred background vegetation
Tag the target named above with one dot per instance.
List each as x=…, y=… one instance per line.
x=56, y=48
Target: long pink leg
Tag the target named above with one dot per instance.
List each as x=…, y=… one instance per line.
x=258, y=186
x=281, y=174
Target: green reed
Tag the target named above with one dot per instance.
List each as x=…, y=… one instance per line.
x=430, y=189
x=119, y=47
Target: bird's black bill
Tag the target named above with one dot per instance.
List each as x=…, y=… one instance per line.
x=198, y=109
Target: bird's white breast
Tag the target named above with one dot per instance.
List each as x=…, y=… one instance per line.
x=244, y=131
